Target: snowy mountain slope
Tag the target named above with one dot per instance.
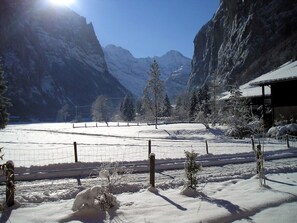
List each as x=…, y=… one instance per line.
x=133, y=72
x=51, y=58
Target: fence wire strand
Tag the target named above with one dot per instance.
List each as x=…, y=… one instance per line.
x=44, y=154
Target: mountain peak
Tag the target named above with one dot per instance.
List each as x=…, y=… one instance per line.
x=133, y=72
x=173, y=53
x=117, y=51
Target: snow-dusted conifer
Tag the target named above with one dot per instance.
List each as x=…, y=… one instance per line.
x=153, y=92
x=100, y=109
x=127, y=108
x=237, y=114
x=191, y=169
x=193, y=106
x=4, y=102
x=166, y=108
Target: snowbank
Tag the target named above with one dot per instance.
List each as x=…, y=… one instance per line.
x=223, y=201
x=279, y=131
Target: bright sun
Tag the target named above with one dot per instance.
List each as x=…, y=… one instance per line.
x=62, y=2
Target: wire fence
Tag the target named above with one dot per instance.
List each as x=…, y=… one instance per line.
x=289, y=140
x=42, y=155
x=27, y=155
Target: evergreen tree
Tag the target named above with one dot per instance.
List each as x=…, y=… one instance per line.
x=139, y=107
x=63, y=113
x=203, y=113
x=191, y=169
x=193, y=106
x=100, y=109
x=166, y=110
x=181, y=110
x=213, y=99
x=127, y=109
x=154, y=92
x=237, y=114
x=4, y=102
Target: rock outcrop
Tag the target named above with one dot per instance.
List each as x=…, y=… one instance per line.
x=244, y=39
x=51, y=57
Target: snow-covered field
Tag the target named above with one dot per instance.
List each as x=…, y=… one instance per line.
x=228, y=188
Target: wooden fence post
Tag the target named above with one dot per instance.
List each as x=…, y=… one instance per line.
x=75, y=152
x=152, y=169
x=149, y=148
x=10, y=186
x=287, y=139
x=206, y=145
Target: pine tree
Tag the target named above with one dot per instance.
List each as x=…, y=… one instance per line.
x=100, y=109
x=4, y=102
x=154, y=92
x=127, y=109
x=191, y=169
x=237, y=113
x=181, y=110
x=193, y=106
x=204, y=111
x=166, y=109
x=63, y=113
x=139, y=107
x=213, y=99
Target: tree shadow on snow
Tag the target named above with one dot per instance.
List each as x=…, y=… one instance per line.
x=216, y=131
x=156, y=192
x=232, y=208
x=275, y=181
x=5, y=215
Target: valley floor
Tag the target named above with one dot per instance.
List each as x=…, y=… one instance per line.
x=227, y=192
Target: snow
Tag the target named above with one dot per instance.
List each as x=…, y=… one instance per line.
x=248, y=91
x=286, y=72
x=228, y=190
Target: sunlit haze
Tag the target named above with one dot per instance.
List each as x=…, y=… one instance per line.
x=62, y=2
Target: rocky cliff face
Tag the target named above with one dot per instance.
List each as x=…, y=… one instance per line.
x=51, y=58
x=243, y=40
x=134, y=72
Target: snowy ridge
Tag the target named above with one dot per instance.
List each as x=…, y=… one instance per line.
x=134, y=72
x=51, y=58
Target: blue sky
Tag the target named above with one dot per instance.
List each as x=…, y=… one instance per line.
x=147, y=27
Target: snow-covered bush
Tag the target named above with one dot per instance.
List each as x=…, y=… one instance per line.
x=101, y=197
x=112, y=175
x=191, y=169
x=86, y=198
x=278, y=131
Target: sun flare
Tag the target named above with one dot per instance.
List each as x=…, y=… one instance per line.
x=62, y=2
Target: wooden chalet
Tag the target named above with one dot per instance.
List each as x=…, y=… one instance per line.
x=283, y=87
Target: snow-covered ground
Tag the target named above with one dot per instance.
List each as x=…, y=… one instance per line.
x=228, y=188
